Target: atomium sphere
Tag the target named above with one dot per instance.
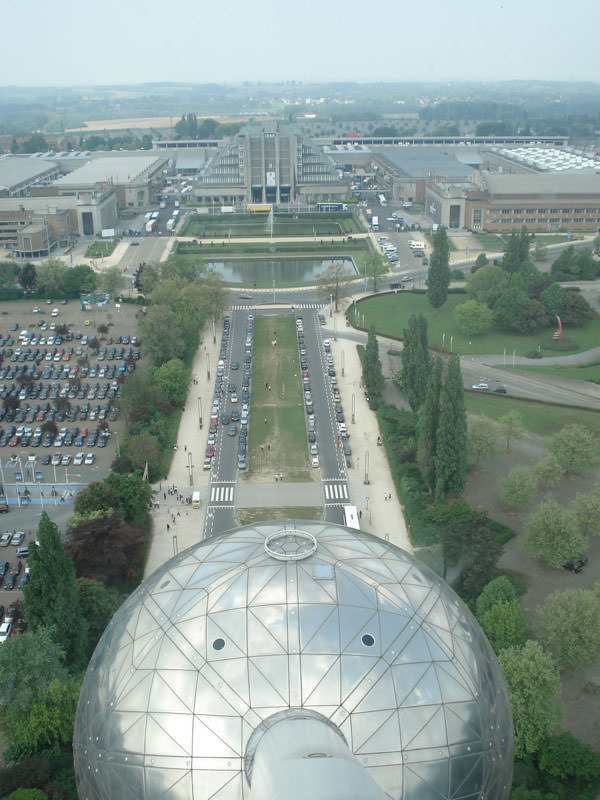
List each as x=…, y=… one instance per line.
x=292, y=619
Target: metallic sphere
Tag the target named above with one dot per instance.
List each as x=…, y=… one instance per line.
x=298, y=618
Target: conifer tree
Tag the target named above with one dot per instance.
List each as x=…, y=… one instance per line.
x=427, y=425
x=416, y=362
x=438, y=277
x=451, y=443
x=50, y=594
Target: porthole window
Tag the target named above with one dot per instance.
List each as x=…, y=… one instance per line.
x=368, y=640
x=218, y=644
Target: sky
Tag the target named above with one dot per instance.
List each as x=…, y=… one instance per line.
x=200, y=41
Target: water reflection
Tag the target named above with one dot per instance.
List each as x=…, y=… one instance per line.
x=290, y=271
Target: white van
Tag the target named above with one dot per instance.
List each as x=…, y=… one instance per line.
x=414, y=245
x=195, y=499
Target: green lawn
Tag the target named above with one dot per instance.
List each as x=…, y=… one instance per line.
x=248, y=516
x=389, y=314
x=279, y=445
x=581, y=372
x=101, y=248
x=245, y=225
x=540, y=418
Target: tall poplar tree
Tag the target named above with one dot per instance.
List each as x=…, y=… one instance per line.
x=438, y=277
x=451, y=444
x=428, y=424
x=50, y=594
x=416, y=362
x=373, y=375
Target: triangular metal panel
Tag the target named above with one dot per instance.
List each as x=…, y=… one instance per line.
x=228, y=729
x=432, y=732
x=365, y=725
x=320, y=675
x=412, y=722
x=167, y=697
x=425, y=692
x=386, y=739
x=275, y=670
x=262, y=692
x=168, y=734
x=207, y=743
x=208, y=700
x=260, y=577
x=269, y=620
x=134, y=694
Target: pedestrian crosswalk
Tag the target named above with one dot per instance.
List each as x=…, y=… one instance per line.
x=335, y=492
x=252, y=307
x=221, y=494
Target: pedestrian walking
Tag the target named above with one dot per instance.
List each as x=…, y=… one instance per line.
x=168, y=527
x=164, y=495
x=185, y=448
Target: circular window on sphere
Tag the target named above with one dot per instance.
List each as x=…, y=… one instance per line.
x=218, y=644
x=368, y=640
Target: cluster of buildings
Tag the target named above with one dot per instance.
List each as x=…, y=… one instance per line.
x=485, y=184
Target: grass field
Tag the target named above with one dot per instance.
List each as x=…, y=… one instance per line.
x=219, y=226
x=540, y=418
x=248, y=516
x=581, y=372
x=277, y=446
x=102, y=248
x=389, y=314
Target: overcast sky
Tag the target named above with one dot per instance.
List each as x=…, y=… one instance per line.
x=129, y=41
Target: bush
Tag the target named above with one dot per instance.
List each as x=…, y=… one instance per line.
x=30, y=772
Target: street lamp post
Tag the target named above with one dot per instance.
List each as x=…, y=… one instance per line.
x=208, y=365
x=343, y=360
x=353, y=408
x=200, y=411
x=366, y=481
x=190, y=468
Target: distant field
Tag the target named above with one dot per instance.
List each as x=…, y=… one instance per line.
x=249, y=516
x=145, y=122
x=223, y=226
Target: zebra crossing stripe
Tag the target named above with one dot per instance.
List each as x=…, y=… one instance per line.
x=221, y=494
x=336, y=491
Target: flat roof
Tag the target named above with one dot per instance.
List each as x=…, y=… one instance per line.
x=423, y=162
x=15, y=170
x=119, y=170
x=543, y=183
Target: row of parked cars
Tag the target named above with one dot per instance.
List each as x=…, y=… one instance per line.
x=233, y=415
x=306, y=388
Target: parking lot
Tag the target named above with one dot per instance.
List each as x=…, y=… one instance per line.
x=61, y=376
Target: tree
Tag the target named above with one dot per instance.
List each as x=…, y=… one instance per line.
x=505, y=625
x=28, y=662
x=141, y=397
x=103, y=548
x=487, y=284
x=481, y=261
x=48, y=723
x=473, y=318
x=78, y=279
x=553, y=300
x=51, y=594
x=428, y=421
x=27, y=794
x=577, y=309
x=372, y=373
x=533, y=684
x=416, y=361
x=373, y=268
x=451, y=447
x=97, y=496
x=134, y=497
x=511, y=426
x=512, y=254
x=482, y=438
x=51, y=277
x=507, y=305
x=551, y=534
x=35, y=144
x=172, y=378
x=565, y=757
x=518, y=488
x=438, y=276
x=143, y=450
x=99, y=604
x=333, y=282
x=500, y=590
x=28, y=276
x=162, y=336
x=585, y=509
x=575, y=447
x=215, y=296
x=112, y=281
x=548, y=471
x=568, y=626
x=530, y=317
x=541, y=251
